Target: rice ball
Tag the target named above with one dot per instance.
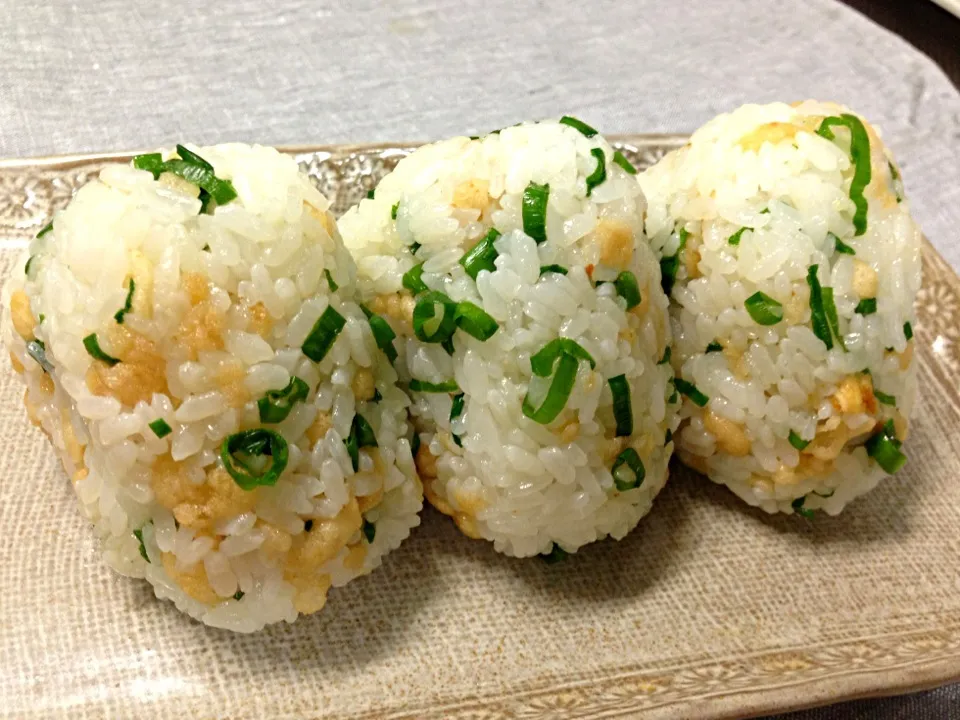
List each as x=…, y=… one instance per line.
x=532, y=332
x=189, y=339
x=793, y=264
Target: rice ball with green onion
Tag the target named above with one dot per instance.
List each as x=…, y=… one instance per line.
x=189, y=339
x=532, y=331
x=793, y=263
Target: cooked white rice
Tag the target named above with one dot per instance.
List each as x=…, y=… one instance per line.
x=765, y=170
x=523, y=485
x=222, y=303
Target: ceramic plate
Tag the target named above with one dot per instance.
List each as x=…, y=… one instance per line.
x=709, y=609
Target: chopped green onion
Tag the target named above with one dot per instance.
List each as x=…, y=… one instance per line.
x=481, y=256
x=430, y=326
x=556, y=398
x=222, y=191
x=377, y=397
x=251, y=444
x=578, y=125
x=93, y=348
x=415, y=444
x=534, y=211
x=369, y=530
x=371, y=193
x=556, y=554
x=38, y=351
x=714, y=347
x=160, y=428
x=26, y=268
x=799, y=509
x=830, y=309
x=884, y=448
x=798, y=442
x=277, y=404
x=691, y=391
x=138, y=534
x=414, y=247
x=884, y=398
x=867, y=306
x=361, y=435
x=474, y=321
x=448, y=345
x=628, y=288
x=821, y=326
x=308, y=525
x=622, y=405
x=331, y=283
x=151, y=162
x=323, y=334
x=860, y=156
x=841, y=246
x=456, y=409
x=667, y=436
x=671, y=264
x=559, y=269
x=127, y=305
x=628, y=471
x=238, y=595
x=45, y=229
x=600, y=173
x=735, y=238
x=620, y=159
x=393, y=210
x=411, y=280
x=193, y=158
x=908, y=331
x=543, y=360
x=383, y=334
x=41, y=318
x=666, y=357
x=764, y=309
x=429, y=387
x=675, y=395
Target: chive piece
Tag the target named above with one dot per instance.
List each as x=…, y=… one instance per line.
x=127, y=305
x=370, y=194
x=331, y=283
x=38, y=351
x=884, y=448
x=447, y=345
x=377, y=397
x=714, y=347
x=411, y=280
x=308, y=525
x=192, y=158
x=26, y=268
x=277, y=404
x=361, y=435
x=160, y=428
x=841, y=246
x=666, y=357
x=257, y=443
x=908, y=331
x=41, y=318
x=884, y=398
x=138, y=534
x=735, y=238
x=456, y=409
x=45, y=229
x=353, y=449
x=369, y=530
x=798, y=442
x=323, y=334
x=415, y=247
x=867, y=306
x=620, y=159
x=474, y=321
x=585, y=129
x=628, y=288
x=764, y=309
x=534, y=211
x=428, y=387
x=415, y=444
x=425, y=315
x=543, y=360
x=93, y=348
x=557, y=554
x=238, y=595
x=667, y=437
x=559, y=269
x=821, y=327
x=481, y=256
x=799, y=509
x=830, y=309
x=628, y=471
x=151, y=162
x=383, y=334
x=600, y=173
x=860, y=156
x=691, y=391
x=393, y=210
x=671, y=264
x=622, y=405
x=222, y=191
x=675, y=395
x=556, y=398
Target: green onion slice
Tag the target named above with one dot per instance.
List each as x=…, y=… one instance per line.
x=222, y=191
x=448, y=346
x=620, y=159
x=841, y=246
x=714, y=347
x=667, y=436
x=884, y=448
x=585, y=129
x=431, y=325
x=415, y=444
x=323, y=334
x=393, y=210
x=371, y=193
x=671, y=264
x=735, y=238
x=93, y=348
x=559, y=269
x=557, y=554
x=277, y=404
x=411, y=280
x=691, y=391
x=628, y=471
x=628, y=288
x=600, y=173
x=534, y=211
x=160, y=428
x=884, y=398
x=867, y=306
x=799, y=509
x=238, y=595
x=45, y=229
x=543, y=360
x=38, y=351
x=456, y=409
x=415, y=247
x=383, y=334
x=151, y=162
x=821, y=326
x=242, y=454
x=474, y=321
x=361, y=435
x=26, y=268
x=798, y=442
x=331, y=283
x=764, y=309
x=908, y=331
x=622, y=405
x=666, y=357
x=830, y=309
x=557, y=395
x=127, y=305
x=860, y=156
x=430, y=387
x=369, y=530
x=138, y=534
x=481, y=256
x=193, y=158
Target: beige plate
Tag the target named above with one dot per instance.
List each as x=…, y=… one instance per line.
x=709, y=609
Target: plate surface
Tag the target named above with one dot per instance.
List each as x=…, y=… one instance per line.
x=709, y=609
